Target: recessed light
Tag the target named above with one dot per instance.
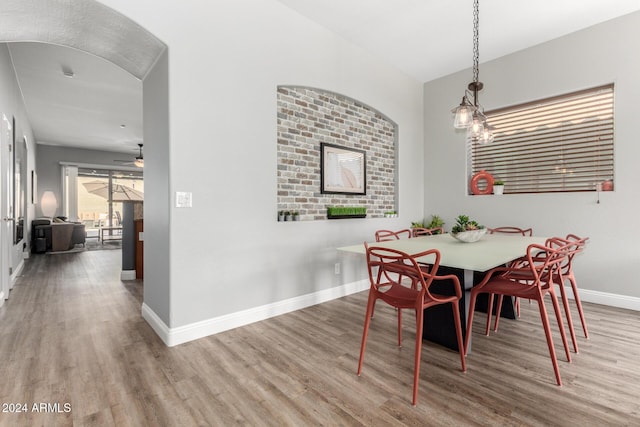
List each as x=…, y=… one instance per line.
x=123, y=126
x=67, y=72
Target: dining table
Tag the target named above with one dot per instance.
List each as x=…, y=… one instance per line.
x=469, y=261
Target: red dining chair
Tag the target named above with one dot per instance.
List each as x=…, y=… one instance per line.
x=419, y=231
x=387, y=268
x=388, y=235
x=566, y=273
x=574, y=245
x=533, y=279
x=509, y=230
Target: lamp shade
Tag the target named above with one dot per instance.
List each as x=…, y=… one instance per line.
x=48, y=204
x=463, y=114
x=475, y=131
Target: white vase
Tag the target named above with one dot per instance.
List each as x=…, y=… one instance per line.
x=498, y=189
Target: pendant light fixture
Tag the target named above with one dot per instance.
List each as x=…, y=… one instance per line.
x=469, y=114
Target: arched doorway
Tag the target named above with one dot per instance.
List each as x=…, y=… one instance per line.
x=92, y=27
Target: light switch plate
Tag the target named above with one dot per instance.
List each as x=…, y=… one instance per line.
x=183, y=199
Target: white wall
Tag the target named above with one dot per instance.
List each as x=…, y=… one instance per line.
x=11, y=104
x=226, y=59
x=598, y=55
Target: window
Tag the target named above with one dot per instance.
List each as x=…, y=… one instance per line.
x=558, y=144
x=95, y=196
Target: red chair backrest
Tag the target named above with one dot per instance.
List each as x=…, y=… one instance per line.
x=572, y=244
x=388, y=266
x=419, y=231
x=511, y=230
x=388, y=235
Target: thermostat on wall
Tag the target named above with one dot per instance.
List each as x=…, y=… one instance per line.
x=183, y=199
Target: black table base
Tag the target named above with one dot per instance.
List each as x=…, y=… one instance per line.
x=439, y=326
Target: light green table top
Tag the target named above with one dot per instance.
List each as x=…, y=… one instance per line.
x=491, y=251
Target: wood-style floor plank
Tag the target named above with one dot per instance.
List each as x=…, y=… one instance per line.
x=72, y=333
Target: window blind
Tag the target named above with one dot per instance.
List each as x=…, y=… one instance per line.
x=558, y=144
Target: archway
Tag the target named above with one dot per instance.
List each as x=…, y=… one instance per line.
x=92, y=27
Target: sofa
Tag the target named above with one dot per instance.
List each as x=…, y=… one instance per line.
x=54, y=235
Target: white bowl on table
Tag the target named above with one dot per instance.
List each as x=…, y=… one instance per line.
x=470, y=236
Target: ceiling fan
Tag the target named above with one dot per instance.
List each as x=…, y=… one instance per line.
x=139, y=160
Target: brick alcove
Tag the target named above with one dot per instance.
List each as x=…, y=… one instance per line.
x=308, y=117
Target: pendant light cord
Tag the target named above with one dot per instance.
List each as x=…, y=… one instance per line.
x=476, y=38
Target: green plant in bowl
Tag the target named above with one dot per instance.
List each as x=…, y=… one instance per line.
x=464, y=223
x=467, y=230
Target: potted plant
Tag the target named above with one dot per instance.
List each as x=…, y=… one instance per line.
x=498, y=187
x=390, y=214
x=467, y=230
x=280, y=215
x=295, y=215
x=287, y=216
x=436, y=222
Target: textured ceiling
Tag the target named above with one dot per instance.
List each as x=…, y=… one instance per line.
x=108, y=54
x=426, y=39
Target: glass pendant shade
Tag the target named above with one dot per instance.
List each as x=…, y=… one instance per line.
x=487, y=135
x=464, y=114
x=475, y=131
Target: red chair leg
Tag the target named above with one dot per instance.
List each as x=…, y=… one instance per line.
x=489, y=313
x=472, y=309
x=498, y=312
x=563, y=335
x=458, y=324
x=547, y=332
x=367, y=321
x=416, y=368
x=576, y=297
x=399, y=328
x=565, y=304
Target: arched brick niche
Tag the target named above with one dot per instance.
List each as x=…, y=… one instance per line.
x=308, y=117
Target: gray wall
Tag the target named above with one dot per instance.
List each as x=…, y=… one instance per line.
x=11, y=105
x=601, y=54
x=226, y=59
x=49, y=169
x=157, y=210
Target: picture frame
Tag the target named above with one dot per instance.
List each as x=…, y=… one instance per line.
x=342, y=170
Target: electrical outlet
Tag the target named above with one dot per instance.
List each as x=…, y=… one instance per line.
x=336, y=268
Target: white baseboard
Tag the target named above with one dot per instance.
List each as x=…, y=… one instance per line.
x=183, y=334
x=128, y=275
x=16, y=272
x=604, y=298
x=180, y=335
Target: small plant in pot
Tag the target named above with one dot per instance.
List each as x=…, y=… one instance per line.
x=467, y=230
x=287, y=216
x=295, y=215
x=280, y=215
x=498, y=187
x=436, y=222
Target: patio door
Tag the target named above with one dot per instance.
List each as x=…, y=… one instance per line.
x=100, y=194
x=6, y=206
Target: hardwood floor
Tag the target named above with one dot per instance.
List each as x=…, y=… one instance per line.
x=72, y=334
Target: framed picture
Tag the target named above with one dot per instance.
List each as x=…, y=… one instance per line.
x=342, y=170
